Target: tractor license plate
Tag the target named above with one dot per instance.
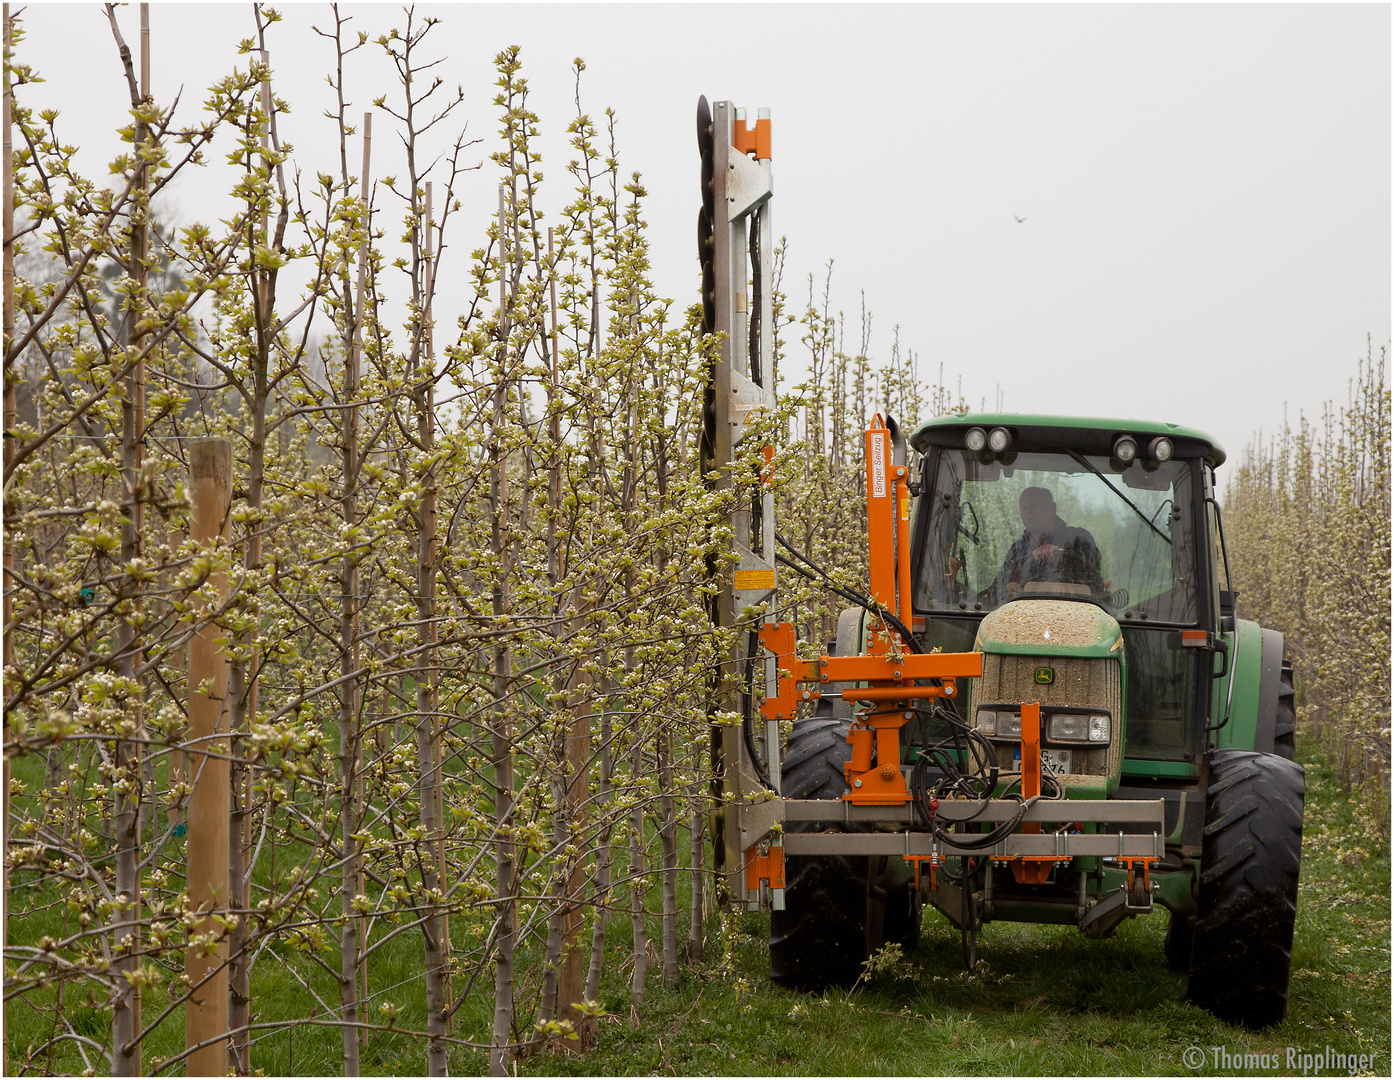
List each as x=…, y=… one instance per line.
x=1055, y=761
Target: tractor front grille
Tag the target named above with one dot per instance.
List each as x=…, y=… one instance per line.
x=1093, y=682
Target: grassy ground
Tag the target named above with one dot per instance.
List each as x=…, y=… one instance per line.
x=1043, y=1000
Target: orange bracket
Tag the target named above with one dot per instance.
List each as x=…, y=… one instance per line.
x=933, y=861
x=1144, y=862
x=767, y=867
x=881, y=784
x=779, y=639
x=1031, y=870
x=754, y=140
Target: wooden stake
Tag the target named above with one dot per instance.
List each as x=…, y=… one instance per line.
x=206, y=1013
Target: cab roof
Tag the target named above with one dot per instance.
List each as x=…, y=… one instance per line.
x=1087, y=434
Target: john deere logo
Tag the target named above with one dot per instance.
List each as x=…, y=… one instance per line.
x=1045, y=675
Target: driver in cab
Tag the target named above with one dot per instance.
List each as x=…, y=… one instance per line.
x=1049, y=551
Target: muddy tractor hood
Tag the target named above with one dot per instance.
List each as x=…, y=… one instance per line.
x=1045, y=627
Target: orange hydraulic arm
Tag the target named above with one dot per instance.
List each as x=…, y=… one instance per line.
x=887, y=668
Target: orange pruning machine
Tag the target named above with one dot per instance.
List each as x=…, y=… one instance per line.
x=886, y=678
x=1016, y=721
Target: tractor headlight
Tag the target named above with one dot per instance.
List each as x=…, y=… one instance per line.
x=976, y=439
x=1078, y=727
x=1160, y=449
x=1125, y=449
x=987, y=721
x=999, y=439
x=1068, y=727
x=1009, y=724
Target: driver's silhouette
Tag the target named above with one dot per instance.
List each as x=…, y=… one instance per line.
x=1048, y=550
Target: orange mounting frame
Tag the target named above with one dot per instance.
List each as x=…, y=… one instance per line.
x=873, y=773
x=888, y=671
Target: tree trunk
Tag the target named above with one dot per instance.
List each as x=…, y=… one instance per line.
x=351, y=692
x=427, y=672
x=9, y=442
x=697, y=835
x=668, y=841
x=602, y=862
x=506, y=890
x=564, y=977
x=130, y=758
x=637, y=912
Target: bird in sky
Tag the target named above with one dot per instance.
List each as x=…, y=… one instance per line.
x=1019, y=220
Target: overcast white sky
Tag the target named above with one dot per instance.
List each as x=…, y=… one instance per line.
x=1206, y=189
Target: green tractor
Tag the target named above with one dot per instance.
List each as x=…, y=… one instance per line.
x=1084, y=560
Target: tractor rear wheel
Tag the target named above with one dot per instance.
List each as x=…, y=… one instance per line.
x=1285, y=724
x=1241, y=956
x=819, y=939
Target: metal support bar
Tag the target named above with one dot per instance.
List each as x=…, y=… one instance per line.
x=1019, y=845
x=1115, y=811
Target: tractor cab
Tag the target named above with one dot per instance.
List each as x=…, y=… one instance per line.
x=1018, y=514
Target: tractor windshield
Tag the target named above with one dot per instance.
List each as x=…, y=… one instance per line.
x=1060, y=524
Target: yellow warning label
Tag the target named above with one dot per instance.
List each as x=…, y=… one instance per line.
x=905, y=508
x=754, y=579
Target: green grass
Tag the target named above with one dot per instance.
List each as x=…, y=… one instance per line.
x=1044, y=1000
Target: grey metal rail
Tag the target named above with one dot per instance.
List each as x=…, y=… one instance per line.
x=1060, y=845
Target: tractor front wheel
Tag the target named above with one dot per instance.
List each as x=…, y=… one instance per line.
x=1241, y=954
x=819, y=939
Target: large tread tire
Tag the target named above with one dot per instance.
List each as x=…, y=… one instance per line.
x=1285, y=724
x=819, y=939
x=1241, y=956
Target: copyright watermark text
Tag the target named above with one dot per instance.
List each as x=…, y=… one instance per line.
x=1290, y=1061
